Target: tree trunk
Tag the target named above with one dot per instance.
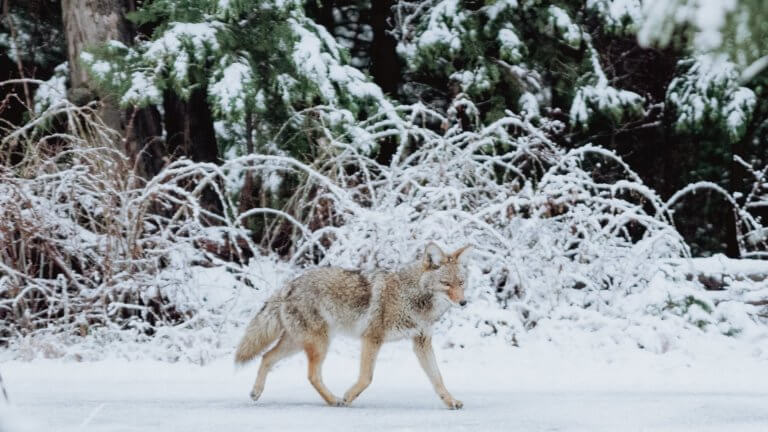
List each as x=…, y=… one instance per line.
x=189, y=126
x=144, y=141
x=189, y=132
x=385, y=62
x=385, y=65
x=87, y=23
x=246, y=194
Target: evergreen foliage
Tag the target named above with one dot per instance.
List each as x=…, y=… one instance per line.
x=260, y=59
x=30, y=32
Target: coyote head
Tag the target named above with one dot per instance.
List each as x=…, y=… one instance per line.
x=444, y=273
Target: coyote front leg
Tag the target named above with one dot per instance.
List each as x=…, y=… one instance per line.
x=367, y=362
x=422, y=346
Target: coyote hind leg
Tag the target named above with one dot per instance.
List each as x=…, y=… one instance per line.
x=284, y=348
x=316, y=349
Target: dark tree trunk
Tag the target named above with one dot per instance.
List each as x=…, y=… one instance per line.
x=246, y=194
x=144, y=142
x=189, y=127
x=322, y=11
x=189, y=132
x=385, y=63
x=144, y=132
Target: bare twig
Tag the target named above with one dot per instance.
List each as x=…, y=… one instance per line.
x=15, y=48
x=2, y=387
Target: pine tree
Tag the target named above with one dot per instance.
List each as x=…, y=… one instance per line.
x=527, y=56
x=262, y=63
x=616, y=73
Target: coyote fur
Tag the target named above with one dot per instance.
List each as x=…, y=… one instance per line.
x=378, y=307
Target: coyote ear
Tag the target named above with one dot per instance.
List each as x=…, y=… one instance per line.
x=433, y=256
x=458, y=255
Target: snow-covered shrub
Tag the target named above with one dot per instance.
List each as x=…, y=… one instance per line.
x=751, y=206
x=553, y=242
x=556, y=241
x=85, y=243
x=748, y=206
x=563, y=238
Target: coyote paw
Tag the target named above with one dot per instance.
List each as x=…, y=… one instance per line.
x=335, y=402
x=255, y=394
x=453, y=403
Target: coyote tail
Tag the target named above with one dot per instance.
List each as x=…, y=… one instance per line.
x=263, y=329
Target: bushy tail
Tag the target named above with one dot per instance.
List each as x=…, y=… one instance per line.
x=263, y=329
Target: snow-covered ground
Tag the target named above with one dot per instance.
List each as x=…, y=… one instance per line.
x=608, y=373
x=542, y=387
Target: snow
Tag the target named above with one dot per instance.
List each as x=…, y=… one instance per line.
x=618, y=15
x=611, y=102
x=529, y=106
x=544, y=387
x=661, y=18
x=720, y=264
x=52, y=91
x=310, y=59
x=495, y=8
x=142, y=90
x=710, y=18
x=229, y=89
x=444, y=27
x=182, y=44
x=510, y=45
x=739, y=108
x=318, y=59
x=476, y=79
x=564, y=27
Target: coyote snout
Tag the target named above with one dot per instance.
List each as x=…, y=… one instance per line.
x=376, y=306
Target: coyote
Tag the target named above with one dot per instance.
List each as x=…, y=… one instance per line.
x=378, y=307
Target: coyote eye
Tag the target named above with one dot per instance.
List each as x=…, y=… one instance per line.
x=446, y=283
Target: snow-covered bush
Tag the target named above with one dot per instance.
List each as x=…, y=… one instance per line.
x=556, y=244
x=752, y=233
x=71, y=234
x=86, y=245
x=563, y=238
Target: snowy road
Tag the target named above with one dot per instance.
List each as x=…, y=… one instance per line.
x=521, y=390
